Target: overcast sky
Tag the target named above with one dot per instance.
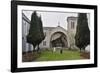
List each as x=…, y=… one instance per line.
x=52, y=19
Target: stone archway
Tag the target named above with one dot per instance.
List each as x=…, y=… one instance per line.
x=58, y=39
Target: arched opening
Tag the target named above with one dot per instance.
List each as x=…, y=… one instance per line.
x=58, y=39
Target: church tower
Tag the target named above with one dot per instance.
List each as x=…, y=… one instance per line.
x=71, y=28
x=71, y=24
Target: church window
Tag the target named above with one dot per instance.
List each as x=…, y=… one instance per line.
x=44, y=33
x=72, y=25
x=44, y=43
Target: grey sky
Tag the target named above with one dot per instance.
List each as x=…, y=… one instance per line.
x=52, y=19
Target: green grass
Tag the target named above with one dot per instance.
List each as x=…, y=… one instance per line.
x=53, y=56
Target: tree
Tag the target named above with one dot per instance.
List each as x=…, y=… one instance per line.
x=35, y=35
x=82, y=37
x=40, y=34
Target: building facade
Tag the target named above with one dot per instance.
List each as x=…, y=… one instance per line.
x=54, y=36
x=26, y=47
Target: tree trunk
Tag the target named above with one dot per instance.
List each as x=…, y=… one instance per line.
x=38, y=48
x=80, y=49
x=84, y=48
x=33, y=48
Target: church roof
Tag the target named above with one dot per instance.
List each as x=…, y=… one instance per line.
x=51, y=28
x=71, y=17
x=47, y=28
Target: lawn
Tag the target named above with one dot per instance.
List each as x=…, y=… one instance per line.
x=53, y=56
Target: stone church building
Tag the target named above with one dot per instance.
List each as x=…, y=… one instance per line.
x=54, y=36
x=60, y=37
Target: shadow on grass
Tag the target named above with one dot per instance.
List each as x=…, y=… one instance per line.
x=85, y=55
x=30, y=56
